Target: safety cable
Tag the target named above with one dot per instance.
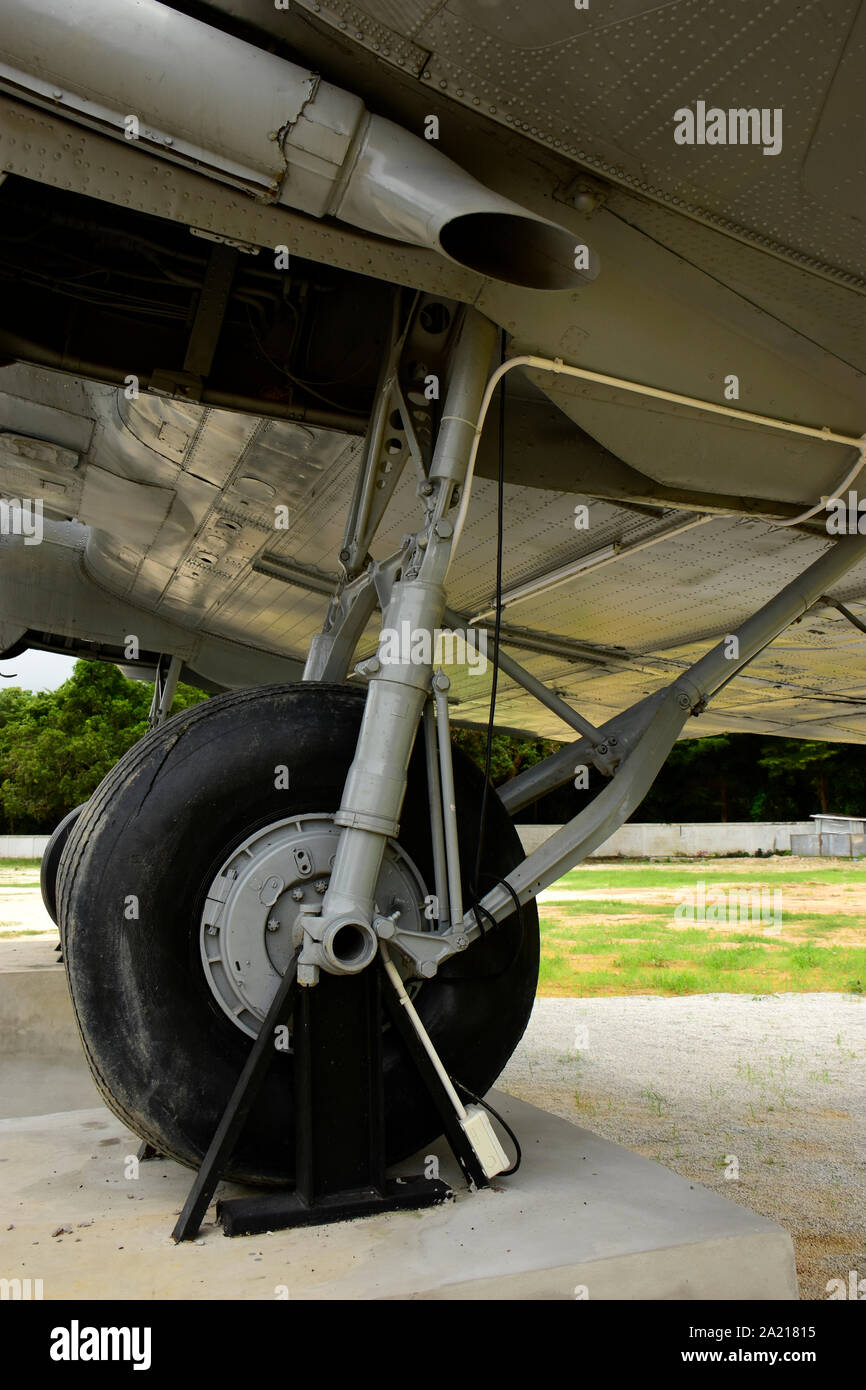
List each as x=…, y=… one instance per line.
x=481, y=912
x=500, y=518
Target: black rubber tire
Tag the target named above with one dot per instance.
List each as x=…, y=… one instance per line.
x=162, y=1052
x=51, y=860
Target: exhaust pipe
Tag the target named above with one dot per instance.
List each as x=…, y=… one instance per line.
x=179, y=89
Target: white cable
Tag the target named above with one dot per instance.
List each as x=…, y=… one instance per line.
x=557, y=365
x=394, y=976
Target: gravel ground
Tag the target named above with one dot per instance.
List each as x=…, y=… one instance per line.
x=762, y=1099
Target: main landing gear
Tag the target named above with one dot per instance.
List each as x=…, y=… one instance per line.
x=281, y=968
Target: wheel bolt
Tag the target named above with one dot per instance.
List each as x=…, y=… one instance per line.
x=321, y=885
x=297, y=894
x=273, y=925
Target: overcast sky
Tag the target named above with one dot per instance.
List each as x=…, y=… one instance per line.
x=36, y=670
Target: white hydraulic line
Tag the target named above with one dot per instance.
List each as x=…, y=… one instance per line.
x=423, y=1036
x=819, y=506
x=556, y=364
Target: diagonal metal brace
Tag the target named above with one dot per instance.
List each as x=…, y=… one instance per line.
x=653, y=727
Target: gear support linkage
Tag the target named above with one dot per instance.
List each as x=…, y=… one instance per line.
x=340, y=1120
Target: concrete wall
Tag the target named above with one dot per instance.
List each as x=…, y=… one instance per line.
x=636, y=841
x=23, y=846
x=631, y=841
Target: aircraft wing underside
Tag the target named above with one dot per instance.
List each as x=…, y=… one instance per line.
x=708, y=265
x=187, y=559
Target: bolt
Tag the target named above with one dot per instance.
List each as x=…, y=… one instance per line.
x=426, y=489
x=427, y=969
x=441, y=681
x=273, y=924
x=297, y=894
x=461, y=942
x=444, y=528
x=345, y=556
x=683, y=701
x=211, y=931
x=321, y=885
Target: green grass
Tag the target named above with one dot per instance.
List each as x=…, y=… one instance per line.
x=684, y=874
x=644, y=958
x=616, y=945
x=9, y=879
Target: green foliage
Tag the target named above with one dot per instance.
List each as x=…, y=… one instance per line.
x=753, y=777
x=508, y=756
x=56, y=746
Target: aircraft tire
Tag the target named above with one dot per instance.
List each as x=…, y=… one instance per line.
x=51, y=860
x=131, y=888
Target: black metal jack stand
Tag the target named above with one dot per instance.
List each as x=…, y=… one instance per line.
x=340, y=1113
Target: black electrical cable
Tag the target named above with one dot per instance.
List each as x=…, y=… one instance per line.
x=500, y=514
x=481, y=912
x=506, y=1172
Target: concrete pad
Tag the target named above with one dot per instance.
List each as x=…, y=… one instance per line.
x=582, y=1218
x=582, y=1213
x=36, y=1017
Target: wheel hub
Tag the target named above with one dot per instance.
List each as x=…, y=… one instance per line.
x=251, y=923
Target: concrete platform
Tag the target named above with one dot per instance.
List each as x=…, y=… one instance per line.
x=582, y=1218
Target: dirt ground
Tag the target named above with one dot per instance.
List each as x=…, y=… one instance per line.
x=759, y=1098
x=800, y=896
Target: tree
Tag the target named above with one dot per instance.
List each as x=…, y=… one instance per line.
x=508, y=755
x=56, y=746
x=805, y=762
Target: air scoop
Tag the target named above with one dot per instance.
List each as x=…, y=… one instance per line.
x=400, y=186
x=180, y=90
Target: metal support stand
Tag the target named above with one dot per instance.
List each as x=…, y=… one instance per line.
x=340, y=1120
x=147, y=1153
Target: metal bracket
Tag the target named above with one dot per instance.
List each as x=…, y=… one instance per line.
x=165, y=681
x=205, y=332
x=349, y=611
